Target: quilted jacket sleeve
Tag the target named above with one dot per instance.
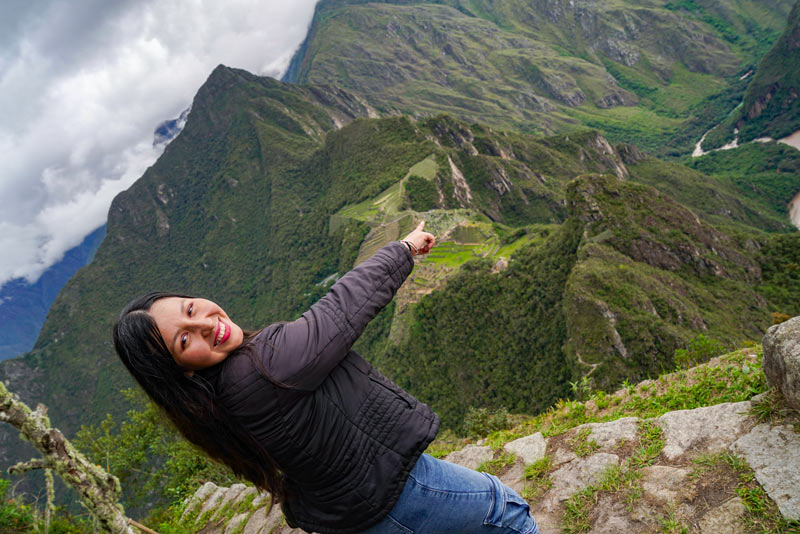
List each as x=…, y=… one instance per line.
x=301, y=353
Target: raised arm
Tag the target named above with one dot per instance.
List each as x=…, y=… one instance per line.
x=301, y=353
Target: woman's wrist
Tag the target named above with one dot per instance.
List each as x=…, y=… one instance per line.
x=412, y=248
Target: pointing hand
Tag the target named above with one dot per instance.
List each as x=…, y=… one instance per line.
x=421, y=241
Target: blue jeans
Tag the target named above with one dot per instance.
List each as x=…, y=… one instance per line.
x=444, y=498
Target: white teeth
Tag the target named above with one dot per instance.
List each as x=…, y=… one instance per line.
x=221, y=332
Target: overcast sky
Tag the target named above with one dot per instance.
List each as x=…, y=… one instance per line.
x=83, y=85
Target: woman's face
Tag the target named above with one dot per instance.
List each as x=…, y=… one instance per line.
x=197, y=332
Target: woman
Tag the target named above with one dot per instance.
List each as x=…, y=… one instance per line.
x=295, y=411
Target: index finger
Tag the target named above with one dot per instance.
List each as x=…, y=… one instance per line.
x=421, y=225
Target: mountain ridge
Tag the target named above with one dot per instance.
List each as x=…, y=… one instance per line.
x=541, y=68
x=273, y=190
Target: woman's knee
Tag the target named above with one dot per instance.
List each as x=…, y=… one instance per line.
x=509, y=511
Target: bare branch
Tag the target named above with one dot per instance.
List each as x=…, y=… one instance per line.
x=30, y=465
x=99, y=491
x=141, y=527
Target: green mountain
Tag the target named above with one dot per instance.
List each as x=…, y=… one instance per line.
x=654, y=73
x=567, y=258
x=630, y=277
x=771, y=104
x=244, y=208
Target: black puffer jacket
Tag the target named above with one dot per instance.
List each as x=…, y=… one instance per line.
x=345, y=436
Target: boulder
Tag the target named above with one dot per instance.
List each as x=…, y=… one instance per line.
x=663, y=484
x=263, y=520
x=230, y=495
x=773, y=453
x=211, y=503
x=609, y=435
x=200, y=496
x=576, y=475
x=782, y=360
x=703, y=430
x=612, y=518
x=235, y=524
x=470, y=456
x=530, y=448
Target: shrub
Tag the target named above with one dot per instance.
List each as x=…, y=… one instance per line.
x=701, y=349
x=481, y=421
x=421, y=193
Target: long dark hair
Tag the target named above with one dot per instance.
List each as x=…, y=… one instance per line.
x=190, y=401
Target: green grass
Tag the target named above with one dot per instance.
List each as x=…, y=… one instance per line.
x=733, y=377
x=582, y=445
x=386, y=204
x=619, y=478
x=762, y=515
x=496, y=465
x=640, y=126
x=451, y=254
x=536, y=478
x=426, y=168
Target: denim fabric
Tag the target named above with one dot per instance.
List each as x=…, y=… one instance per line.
x=444, y=498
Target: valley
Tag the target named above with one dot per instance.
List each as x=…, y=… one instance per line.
x=585, y=235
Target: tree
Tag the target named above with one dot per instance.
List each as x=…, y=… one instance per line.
x=98, y=490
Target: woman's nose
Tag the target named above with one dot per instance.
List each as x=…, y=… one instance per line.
x=204, y=325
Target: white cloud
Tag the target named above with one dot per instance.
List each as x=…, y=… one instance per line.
x=83, y=85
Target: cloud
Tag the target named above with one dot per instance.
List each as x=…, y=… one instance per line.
x=84, y=84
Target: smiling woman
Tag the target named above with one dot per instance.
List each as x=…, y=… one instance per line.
x=198, y=333
x=297, y=412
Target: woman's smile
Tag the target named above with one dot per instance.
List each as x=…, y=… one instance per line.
x=197, y=332
x=223, y=333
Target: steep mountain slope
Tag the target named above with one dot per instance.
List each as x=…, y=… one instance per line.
x=639, y=72
x=206, y=218
x=771, y=105
x=273, y=190
x=630, y=277
x=238, y=208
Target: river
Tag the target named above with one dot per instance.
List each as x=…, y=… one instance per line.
x=792, y=140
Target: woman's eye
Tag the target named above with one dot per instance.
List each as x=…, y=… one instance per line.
x=184, y=338
x=190, y=309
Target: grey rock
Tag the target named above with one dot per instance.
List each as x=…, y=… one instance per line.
x=470, y=456
x=782, y=359
x=611, y=434
x=548, y=523
x=200, y=496
x=724, y=519
x=513, y=477
x=234, y=523
x=563, y=455
x=612, y=518
x=247, y=492
x=662, y=484
x=529, y=449
x=704, y=430
x=211, y=503
x=229, y=495
x=774, y=455
x=576, y=475
x=263, y=520
x=260, y=500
